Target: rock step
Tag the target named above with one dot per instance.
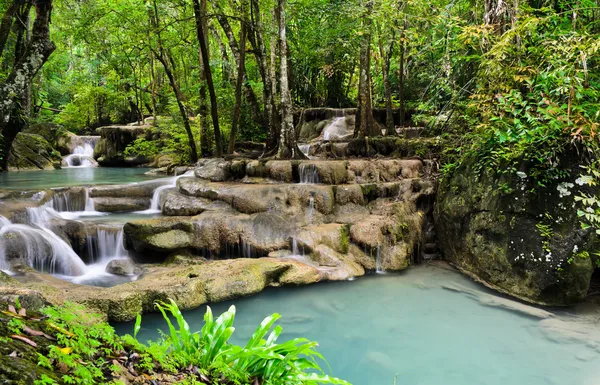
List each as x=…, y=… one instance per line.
x=330, y=172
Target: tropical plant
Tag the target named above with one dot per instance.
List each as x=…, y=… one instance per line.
x=262, y=358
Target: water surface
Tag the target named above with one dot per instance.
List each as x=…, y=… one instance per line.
x=24, y=180
x=409, y=326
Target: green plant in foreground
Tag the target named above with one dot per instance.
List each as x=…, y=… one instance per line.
x=291, y=362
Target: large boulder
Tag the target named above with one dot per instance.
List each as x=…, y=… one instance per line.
x=523, y=243
x=32, y=152
x=57, y=136
x=114, y=140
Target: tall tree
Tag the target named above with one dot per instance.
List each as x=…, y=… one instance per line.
x=165, y=58
x=365, y=123
x=202, y=33
x=240, y=80
x=210, y=84
x=33, y=57
x=288, y=146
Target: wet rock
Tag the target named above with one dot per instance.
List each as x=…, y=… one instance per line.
x=176, y=204
x=329, y=172
x=32, y=152
x=188, y=285
x=136, y=190
x=215, y=170
x=109, y=151
x=111, y=205
x=159, y=234
x=280, y=170
x=122, y=267
x=494, y=235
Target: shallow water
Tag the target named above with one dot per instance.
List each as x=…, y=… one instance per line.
x=409, y=326
x=66, y=177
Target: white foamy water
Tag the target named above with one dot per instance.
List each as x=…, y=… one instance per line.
x=83, y=153
x=155, y=204
x=337, y=130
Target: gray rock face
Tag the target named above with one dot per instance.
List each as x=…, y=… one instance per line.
x=518, y=242
x=215, y=170
x=122, y=267
x=112, y=205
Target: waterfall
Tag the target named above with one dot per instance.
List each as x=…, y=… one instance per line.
x=106, y=244
x=72, y=204
x=295, y=249
x=305, y=149
x=82, y=154
x=337, y=130
x=311, y=207
x=308, y=173
x=155, y=207
x=378, y=263
x=37, y=246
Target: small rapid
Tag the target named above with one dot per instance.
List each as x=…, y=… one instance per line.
x=82, y=154
x=155, y=204
x=37, y=246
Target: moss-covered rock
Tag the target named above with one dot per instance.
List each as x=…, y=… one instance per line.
x=32, y=152
x=109, y=151
x=526, y=243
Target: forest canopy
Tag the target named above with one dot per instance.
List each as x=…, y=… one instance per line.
x=502, y=77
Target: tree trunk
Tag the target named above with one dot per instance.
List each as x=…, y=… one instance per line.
x=401, y=107
x=166, y=60
x=273, y=134
x=22, y=74
x=206, y=137
x=288, y=147
x=7, y=22
x=235, y=50
x=261, y=58
x=385, y=70
x=364, y=113
x=211, y=87
x=240, y=80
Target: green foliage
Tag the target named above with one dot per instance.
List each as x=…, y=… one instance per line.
x=535, y=95
x=86, y=348
x=291, y=362
x=168, y=138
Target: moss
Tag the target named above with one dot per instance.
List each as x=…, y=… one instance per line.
x=344, y=239
x=32, y=152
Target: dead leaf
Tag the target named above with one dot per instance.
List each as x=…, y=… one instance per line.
x=23, y=312
x=13, y=354
x=31, y=331
x=11, y=309
x=26, y=340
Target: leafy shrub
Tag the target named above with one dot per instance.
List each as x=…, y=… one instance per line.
x=291, y=362
x=88, y=352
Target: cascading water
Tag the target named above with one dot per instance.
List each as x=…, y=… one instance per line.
x=308, y=173
x=337, y=130
x=37, y=246
x=155, y=207
x=311, y=208
x=73, y=205
x=378, y=263
x=106, y=244
x=305, y=149
x=83, y=154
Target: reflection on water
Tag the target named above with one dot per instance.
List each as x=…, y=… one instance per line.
x=409, y=326
x=24, y=180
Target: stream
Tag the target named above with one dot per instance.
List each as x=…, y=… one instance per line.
x=410, y=327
